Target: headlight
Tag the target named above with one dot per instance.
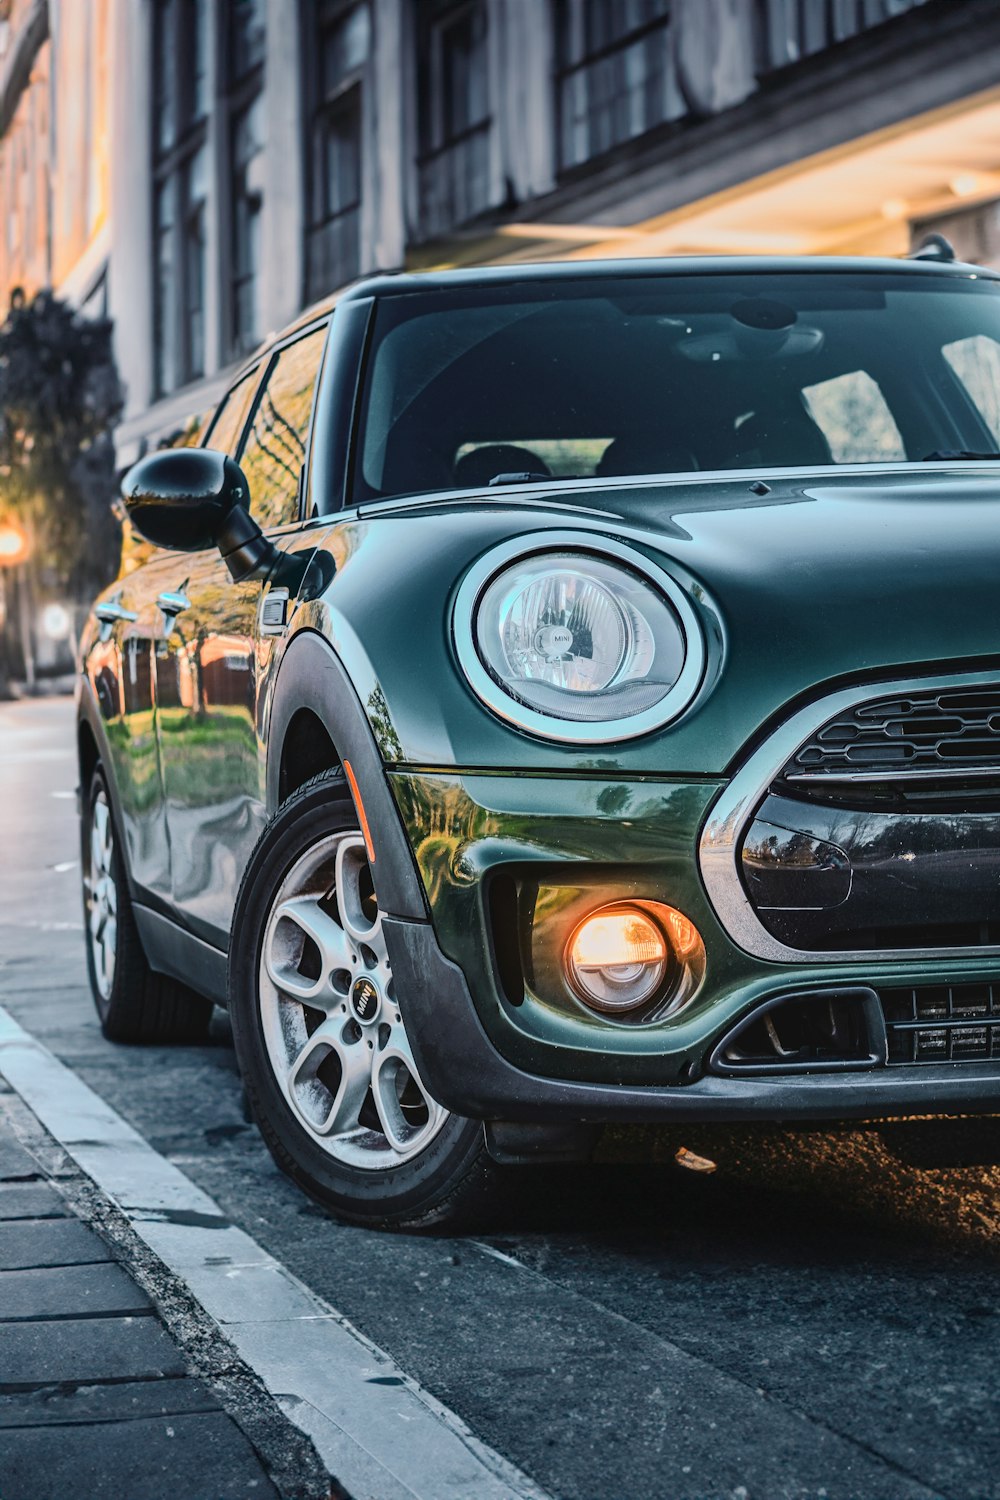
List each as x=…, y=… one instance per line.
x=580, y=645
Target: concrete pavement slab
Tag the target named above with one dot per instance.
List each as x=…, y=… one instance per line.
x=30, y=1200
x=54, y=1405
x=48, y=1242
x=376, y=1429
x=15, y=1162
x=68, y=1292
x=89, y=1349
x=203, y=1455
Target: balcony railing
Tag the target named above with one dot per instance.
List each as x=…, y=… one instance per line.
x=790, y=30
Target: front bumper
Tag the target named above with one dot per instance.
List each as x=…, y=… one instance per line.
x=464, y=1070
x=498, y=1040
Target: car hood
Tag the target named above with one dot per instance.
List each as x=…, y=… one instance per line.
x=825, y=578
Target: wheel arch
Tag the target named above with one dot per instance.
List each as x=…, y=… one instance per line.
x=315, y=717
x=87, y=752
x=306, y=751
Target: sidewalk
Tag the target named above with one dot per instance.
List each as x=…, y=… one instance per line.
x=95, y=1398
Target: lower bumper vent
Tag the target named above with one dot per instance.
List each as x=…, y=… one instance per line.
x=943, y=1023
x=817, y=1031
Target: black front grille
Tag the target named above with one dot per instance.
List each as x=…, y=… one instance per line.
x=955, y=732
x=943, y=1023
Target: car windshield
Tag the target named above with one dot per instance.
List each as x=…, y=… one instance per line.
x=668, y=372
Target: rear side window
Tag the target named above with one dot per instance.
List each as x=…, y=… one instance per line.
x=227, y=427
x=976, y=362
x=854, y=417
x=275, y=446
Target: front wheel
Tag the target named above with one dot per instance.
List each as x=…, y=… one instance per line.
x=320, y=1030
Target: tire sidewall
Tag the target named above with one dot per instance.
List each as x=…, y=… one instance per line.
x=402, y=1192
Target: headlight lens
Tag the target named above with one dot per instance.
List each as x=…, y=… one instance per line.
x=577, y=638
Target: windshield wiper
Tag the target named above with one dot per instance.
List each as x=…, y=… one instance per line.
x=949, y=453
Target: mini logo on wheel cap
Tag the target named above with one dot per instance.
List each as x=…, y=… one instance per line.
x=364, y=1000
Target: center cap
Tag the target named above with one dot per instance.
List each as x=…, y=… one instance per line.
x=364, y=1001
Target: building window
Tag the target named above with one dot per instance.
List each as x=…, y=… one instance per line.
x=616, y=76
x=244, y=53
x=790, y=30
x=180, y=107
x=453, y=100
x=337, y=43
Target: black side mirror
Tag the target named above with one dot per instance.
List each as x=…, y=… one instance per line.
x=188, y=499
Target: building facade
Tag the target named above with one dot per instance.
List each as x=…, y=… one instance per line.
x=202, y=169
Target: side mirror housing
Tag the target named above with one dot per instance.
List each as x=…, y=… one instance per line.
x=190, y=499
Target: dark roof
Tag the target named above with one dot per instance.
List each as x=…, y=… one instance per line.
x=395, y=284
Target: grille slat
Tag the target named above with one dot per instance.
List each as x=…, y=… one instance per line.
x=948, y=731
x=943, y=1023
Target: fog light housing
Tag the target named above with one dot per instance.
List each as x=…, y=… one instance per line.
x=618, y=958
x=640, y=960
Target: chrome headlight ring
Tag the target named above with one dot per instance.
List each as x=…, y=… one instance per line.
x=667, y=595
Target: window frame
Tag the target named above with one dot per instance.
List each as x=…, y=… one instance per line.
x=435, y=145
x=173, y=30
x=256, y=367
x=570, y=15
x=236, y=93
x=347, y=97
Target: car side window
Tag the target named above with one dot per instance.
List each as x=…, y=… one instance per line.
x=275, y=446
x=227, y=427
x=976, y=363
x=854, y=417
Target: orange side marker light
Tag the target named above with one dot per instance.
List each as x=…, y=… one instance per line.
x=352, y=782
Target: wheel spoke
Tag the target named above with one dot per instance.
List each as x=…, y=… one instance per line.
x=308, y=1094
x=102, y=896
x=283, y=951
x=352, y=873
x=393, y=1067
x=101, y=837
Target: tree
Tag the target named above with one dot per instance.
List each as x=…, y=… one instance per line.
x=60, y=397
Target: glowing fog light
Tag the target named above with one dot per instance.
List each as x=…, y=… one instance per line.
x=617, y=958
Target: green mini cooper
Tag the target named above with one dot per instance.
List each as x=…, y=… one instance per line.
x=564, y=695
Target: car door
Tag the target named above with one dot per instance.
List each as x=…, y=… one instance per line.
x=212, y=652
x=121, y=667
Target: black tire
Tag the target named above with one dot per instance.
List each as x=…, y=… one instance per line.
x=451, y=1180
x=134, y=1003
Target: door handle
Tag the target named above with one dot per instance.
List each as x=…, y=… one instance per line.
x=173, y=603
x=110, y=612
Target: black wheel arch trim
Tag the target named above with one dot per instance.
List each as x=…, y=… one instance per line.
x=312, y=676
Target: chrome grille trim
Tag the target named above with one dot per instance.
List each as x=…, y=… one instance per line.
x=734, y=808
x=926, y=733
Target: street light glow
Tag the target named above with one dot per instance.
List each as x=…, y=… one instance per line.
x=13, y=544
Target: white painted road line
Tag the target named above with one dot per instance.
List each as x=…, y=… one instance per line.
x=379, y=1432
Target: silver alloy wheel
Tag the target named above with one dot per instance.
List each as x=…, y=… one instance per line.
x=102, y=896
x=331, y=1020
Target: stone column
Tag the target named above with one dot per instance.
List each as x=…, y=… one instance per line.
x=524, y=103
x=389, y=138
x=130, y=281
x=282, y=239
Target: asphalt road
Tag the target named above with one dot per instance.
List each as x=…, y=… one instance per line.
x=819, y=1317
